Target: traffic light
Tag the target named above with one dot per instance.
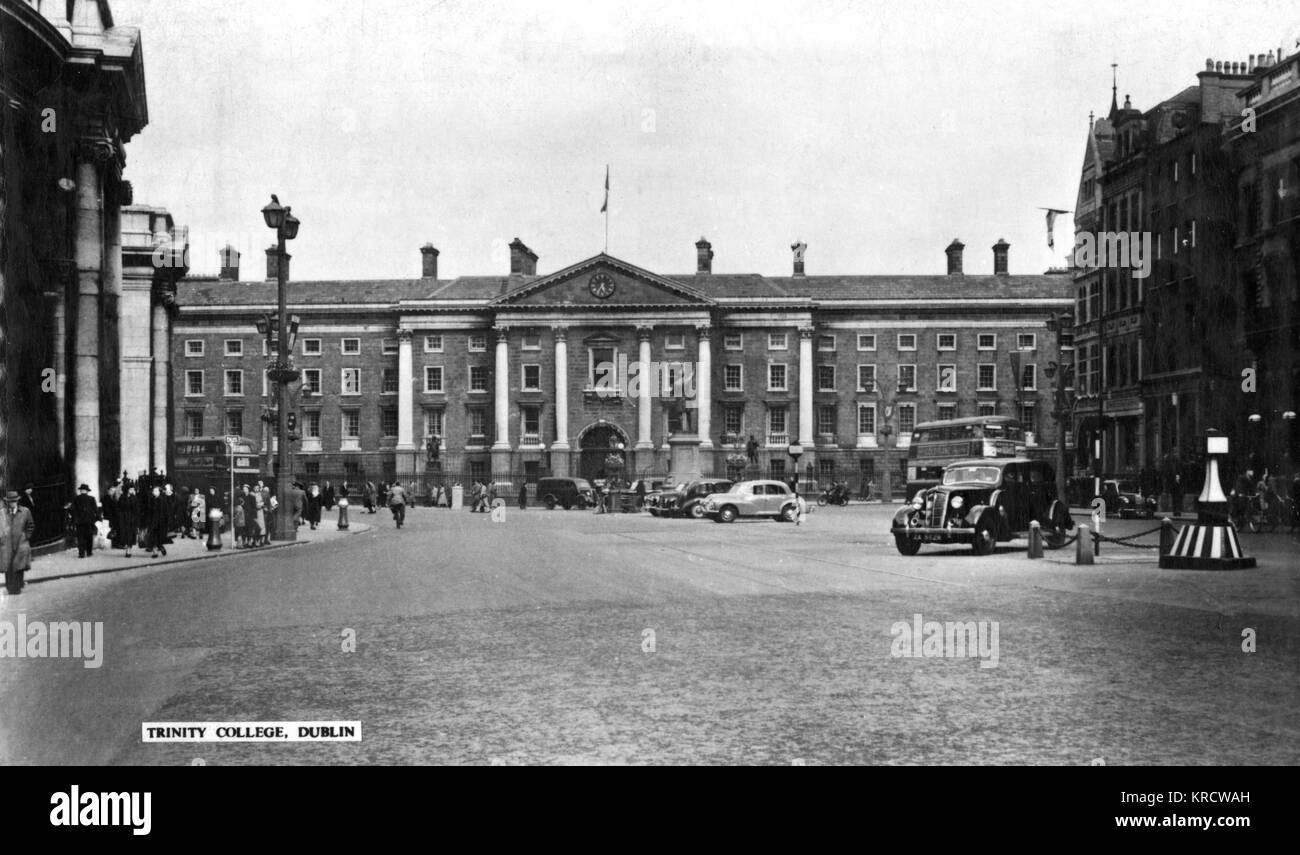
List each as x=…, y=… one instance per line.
x=293, y=422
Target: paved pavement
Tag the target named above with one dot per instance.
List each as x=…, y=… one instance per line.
x=568, y=637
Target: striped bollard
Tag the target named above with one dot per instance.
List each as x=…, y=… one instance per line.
x=1083, y=546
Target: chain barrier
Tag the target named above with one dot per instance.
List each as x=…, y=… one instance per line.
x=1123, y=541
x=1064, y=543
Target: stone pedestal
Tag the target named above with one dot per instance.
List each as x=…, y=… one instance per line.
x=501, y=465
x=684, y=459
x=457, y=497
x=559, y=463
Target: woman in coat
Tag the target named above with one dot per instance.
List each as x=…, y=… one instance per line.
x=159, y=523
x=250, y=516
x=198, y=512
x=312, y=506
x=259, y=519
x=128, y=519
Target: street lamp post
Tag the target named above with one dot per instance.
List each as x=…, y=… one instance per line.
x=1064, y=399
x=285, y=224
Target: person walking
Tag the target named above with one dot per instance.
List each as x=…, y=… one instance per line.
x=128, y=519
x=640, y=493
x=16, y=531
x=158, y=523
x=523, y=496
x=368, y=496
x=297, y=500
x=312, y=506
x=397, y=503
x=250, y=517
x=198, y=512
x=111, y=497
x=259, y=519
x=85, y=513
x=327, y=496
x=28, y=501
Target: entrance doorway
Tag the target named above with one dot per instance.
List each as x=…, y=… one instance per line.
x=597, y=444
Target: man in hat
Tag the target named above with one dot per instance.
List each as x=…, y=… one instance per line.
x=16, y=528
x=85, y=513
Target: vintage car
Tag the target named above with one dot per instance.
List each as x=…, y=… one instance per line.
x=663, y=502
x=752, y=499
x=565, y=492
x=983, y=502
x=1127, y=499
x=689, y=501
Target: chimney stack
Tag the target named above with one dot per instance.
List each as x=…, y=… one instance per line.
x=272, y=264
x=523, y=260
x=229, y=264
x=429, y=266
x=703, y=256
x=798, y=248
x=954, y=257
x=1000, y=257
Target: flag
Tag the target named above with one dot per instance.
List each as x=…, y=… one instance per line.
x=605, y=207
x=1051, y=225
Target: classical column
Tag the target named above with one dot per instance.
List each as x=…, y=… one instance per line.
x=89, y=255
x=806, y=386
x=160, y=329
x=115, y=441
x=704, y=387
x=405, y=394
x=59, y=338
x=135, y=374
x=561, y=442
x=644, y=388
x=502, y=399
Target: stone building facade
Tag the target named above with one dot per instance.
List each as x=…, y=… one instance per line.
x=516, y=375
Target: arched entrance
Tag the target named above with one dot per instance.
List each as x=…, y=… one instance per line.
x=596, y=444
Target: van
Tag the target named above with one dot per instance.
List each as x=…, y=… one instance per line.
x=565, y=492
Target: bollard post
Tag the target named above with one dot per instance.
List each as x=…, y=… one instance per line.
x=343, y=514
x=214, y=529
x=1166, y=536
x=1035, y=540
x=1083, y=546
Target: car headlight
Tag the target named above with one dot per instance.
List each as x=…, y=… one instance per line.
x=918, y=501
x=958, y=501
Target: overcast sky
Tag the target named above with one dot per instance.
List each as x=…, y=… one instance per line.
x=875, y=132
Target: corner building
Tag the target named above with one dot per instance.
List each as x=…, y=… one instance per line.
x=504, y=370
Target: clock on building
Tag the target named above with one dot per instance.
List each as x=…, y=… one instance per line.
x=601, y=285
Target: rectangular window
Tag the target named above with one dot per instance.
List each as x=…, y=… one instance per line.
x=478, y=342
x=388, y=381
x=947, y=341
x=388, y=420
x=826, y=343
x=825, y=378
x=351, y=424
x=478, y=378
x=1029, y=417
x=351, y=346
x=388, y=347
x=733, y=341
x=866, y=419
x=235, y=382
x=1029, y=378
x=234, y=347
x=351, y=383
x=477, y=423
x=776, y=377
x=987, y=377
x=776, y=341
x=602, y=365
x=906, y=418
x=675, y=341
x=866, y=342
x=433, y=344
x=988, y=408
x=193, y=423
x=433, y=378
x=532, y=381
x=532, y=420
x=947, y=412
x=733, y=378
x=947, y=378
x=776, y=468
x=866, y=378
x=530, y=341
x=1027, y=341
x=826, y=468
x=311, y=424
x=311, y=380
x=310, y=347
x=193, y=383
x=235, y=422
x=988, y=341
x=907, y=341
x=776, y=421
x=478, y=470
x=732, y=420
x=433, y=423
x=194, y=347
x=826, y=421
x=907, y=378
x=313, y=469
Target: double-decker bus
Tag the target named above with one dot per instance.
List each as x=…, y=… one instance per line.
x=206, y=461
x=936, y=444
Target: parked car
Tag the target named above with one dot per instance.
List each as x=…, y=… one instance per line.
x=664, y=501
x=690, y=499
x=565, y=492
x=983, y=502
x=652, y=486
x=752, y=499
x=1129, y=501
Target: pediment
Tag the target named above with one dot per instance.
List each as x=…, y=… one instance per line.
x=603, y=281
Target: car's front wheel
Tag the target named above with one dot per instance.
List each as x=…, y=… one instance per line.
x=907, y=545
x=550, y=503
x=789, y=513
x=697, y=511
x=822, y=500
x=985, y=540
x=727, y=514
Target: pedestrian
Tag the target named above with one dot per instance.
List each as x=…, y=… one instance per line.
x=239, y=522
x=187, y=522
x=128, y=519
x=523, y=496
x=28, y=501
x=640, y=493
x=176, y=513
x=475, y=497
x=111, y=497
x=250, y=517
x=198, y=511
x=802, y=509
x=312, y=506
x=368, y=496
x=259, y=520
x=1176, y=491
x=491, y=499
x=327, y=496
x=85, y=513
x=297, y=500
x=159, y=522
x=397, y=503
x=15, y=542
